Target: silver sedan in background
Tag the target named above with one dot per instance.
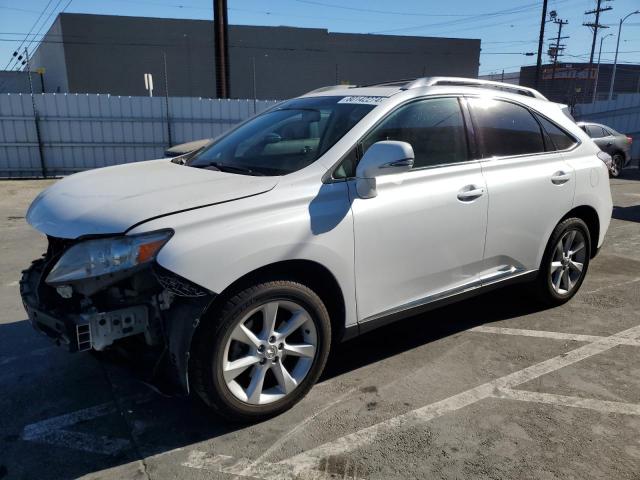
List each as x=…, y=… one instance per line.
x=616, y=144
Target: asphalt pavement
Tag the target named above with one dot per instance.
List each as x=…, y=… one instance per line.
x=493, y=387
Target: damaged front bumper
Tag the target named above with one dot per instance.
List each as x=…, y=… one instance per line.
x=150, y=317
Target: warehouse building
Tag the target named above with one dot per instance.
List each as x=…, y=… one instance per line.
x=110, y=54
x=573, y=83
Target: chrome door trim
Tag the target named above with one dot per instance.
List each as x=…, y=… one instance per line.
x=509, y=273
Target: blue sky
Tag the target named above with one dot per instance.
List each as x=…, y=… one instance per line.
x=507, y=28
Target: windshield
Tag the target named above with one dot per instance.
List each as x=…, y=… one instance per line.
x=285, y=139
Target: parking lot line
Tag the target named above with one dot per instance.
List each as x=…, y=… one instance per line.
x=310, y=459
x=537, y=333
x=603, y=406
x=53, y=431
x=556, y=335
x=245, y=468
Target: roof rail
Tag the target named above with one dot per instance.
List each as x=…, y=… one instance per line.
x=472, y=82
x=330, y=87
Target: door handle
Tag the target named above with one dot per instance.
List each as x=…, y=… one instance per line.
x=469, y=193
x=560, y=178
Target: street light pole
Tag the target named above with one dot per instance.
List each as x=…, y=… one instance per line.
x=595, y=82
x=615, y=61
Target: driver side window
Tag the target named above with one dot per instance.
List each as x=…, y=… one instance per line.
x=433, y=127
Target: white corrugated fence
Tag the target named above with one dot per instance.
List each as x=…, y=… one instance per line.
x=72, y=132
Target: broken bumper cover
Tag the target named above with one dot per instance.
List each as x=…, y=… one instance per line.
x=166, y=331
x=83, y=331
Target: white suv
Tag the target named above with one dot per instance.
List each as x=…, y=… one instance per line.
x=238, y=266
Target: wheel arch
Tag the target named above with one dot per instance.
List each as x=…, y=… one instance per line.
x=588, y=215
x=308, y=272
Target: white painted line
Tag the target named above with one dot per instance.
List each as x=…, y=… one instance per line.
x=310, y=459
x=577, y=337
x=622, y=284
x=53, y=431
x=603, y=406
x=261, y=470
x=32, y=353
x=300, y=426
x=537, y=333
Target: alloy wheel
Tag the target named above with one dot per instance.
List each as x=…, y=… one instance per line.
x=616, y=165
x=269, y=352
x=567, y=262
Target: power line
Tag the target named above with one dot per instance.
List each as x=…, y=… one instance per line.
x=387, y=12
x=467, y=19
x=19, y=9
x=46, y=21
x=15, y=52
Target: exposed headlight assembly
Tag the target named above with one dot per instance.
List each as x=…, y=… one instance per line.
x=102, y=256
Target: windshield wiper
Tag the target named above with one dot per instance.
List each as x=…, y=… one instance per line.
x=231, y=168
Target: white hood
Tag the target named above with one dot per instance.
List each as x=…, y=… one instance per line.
x=113, y=199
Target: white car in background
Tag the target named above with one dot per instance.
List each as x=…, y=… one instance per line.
x=238, y=267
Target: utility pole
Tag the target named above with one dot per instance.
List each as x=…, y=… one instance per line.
x=596, y=24
x=595, y=82
x=615, y=61
x=221, y=39
x=543, y=21
x=556, y=50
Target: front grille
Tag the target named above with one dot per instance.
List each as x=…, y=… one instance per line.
x=178, y=285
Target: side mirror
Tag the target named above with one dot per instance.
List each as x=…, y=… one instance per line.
x=382, y=158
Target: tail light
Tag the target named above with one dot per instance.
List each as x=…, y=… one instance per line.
x=629, y=140
x=606, y=158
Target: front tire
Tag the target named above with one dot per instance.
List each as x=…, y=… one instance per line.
x=262, y=351
x=564, y=263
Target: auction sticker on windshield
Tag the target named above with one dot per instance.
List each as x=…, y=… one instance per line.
x=362, y=100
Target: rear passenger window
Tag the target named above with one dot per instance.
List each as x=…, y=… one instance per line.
x=595, y=131
x=559, y=139
x=434, y=128
x=505, y=128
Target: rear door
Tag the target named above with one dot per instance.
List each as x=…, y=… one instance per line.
x=530, y=185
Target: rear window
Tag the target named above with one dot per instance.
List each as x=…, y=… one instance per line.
x=594, y=131
x=506, y=129
x=558, y=138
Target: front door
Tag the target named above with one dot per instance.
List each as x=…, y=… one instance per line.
x=422, y=236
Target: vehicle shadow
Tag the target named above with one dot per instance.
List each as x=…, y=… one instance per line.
x=152, y=424
x=629, y=214
x=413, y=332
x=629, y=174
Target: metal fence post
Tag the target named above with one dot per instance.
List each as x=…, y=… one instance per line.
x=166, y=99
x=36, y=118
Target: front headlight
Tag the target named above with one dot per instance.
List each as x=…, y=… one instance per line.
x=92, y=258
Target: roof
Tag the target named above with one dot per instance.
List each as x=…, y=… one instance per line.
x=388, y=89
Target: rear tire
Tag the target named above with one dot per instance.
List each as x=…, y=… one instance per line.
x=564, y=263
x=284, y=356
x=617, y=164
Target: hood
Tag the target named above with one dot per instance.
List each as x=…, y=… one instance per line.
x=113, y=199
